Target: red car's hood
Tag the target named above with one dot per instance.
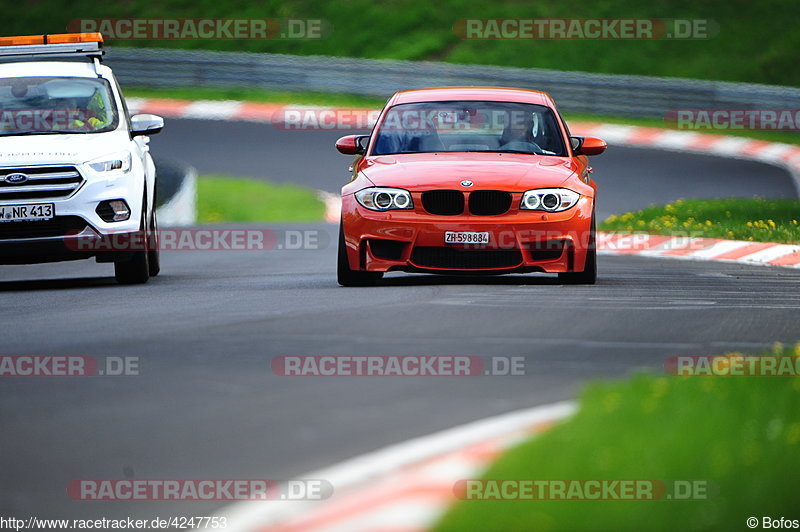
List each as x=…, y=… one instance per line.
x=488, y=171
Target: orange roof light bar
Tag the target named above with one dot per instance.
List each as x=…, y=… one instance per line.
x=64, y=38
x=21, y=41
x=58, y=38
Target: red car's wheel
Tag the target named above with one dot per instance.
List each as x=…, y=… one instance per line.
x=348, y=277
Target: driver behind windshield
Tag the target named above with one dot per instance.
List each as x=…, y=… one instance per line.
x=97, y=108
x=518, y=134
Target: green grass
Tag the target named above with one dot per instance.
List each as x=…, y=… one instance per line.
x=740, y=434
x=758, y=220
x=227, y=199
x=755, y=42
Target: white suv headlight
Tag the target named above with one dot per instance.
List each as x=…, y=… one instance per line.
x=115, y=162
x=385, y=198
x=549, y=199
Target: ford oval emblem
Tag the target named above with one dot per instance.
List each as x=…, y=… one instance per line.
x=467, y=183
x=16, y=179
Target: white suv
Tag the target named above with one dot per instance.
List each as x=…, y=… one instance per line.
x=76, y=175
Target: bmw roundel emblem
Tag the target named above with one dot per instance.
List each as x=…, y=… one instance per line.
x=467, y=183
x=16, y=179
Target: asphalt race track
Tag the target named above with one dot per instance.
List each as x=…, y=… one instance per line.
x=206, y=404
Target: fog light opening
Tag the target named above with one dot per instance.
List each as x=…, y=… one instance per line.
x=113, y=211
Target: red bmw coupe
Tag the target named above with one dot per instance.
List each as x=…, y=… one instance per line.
x=468, y=180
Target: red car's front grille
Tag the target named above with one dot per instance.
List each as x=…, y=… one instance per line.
x=481, y=202
x=447, y=258
x=444, y=202
x=489, y=202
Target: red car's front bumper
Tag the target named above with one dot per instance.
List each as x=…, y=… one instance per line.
x=518, y=240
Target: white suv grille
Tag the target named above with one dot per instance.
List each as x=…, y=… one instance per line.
x=39, y=182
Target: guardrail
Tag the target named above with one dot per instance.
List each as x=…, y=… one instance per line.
x=576, y=92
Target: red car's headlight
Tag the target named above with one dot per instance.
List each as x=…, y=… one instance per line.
x=549, y=199
x=385, y=198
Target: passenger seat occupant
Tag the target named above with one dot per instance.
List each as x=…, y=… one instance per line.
x=97, y=107
x=92, y=118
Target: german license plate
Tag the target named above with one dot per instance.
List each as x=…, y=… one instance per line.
x=27, y=213
x=466, y=237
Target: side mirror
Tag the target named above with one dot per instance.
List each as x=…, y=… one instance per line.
x=587, y=145
x=146, y=124
x=352, y=144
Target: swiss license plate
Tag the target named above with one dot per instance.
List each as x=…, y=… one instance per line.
x=466, y=237
x=27, y=213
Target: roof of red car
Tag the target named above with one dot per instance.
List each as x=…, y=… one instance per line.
x=502, y=94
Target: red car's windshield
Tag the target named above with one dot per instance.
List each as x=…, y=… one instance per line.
x=469, y=126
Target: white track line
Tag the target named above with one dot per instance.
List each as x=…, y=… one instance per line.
x=771, y=253
x=719, y=248
x=212, y=110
